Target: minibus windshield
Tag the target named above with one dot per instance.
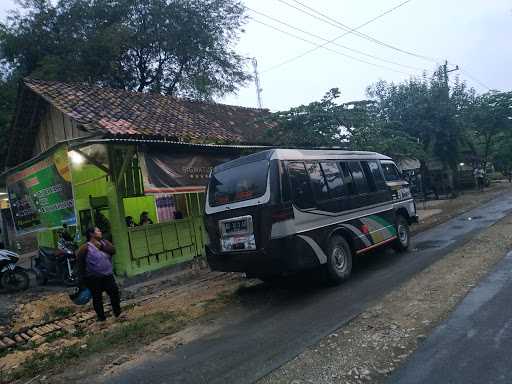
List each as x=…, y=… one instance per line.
x=243, y=182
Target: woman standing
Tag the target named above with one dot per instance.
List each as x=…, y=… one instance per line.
x=96, y=272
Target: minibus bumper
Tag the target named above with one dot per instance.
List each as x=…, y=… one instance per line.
x=281, y=256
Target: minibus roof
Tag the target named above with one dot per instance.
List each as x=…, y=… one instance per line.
x=302, y=154
x=320, y=154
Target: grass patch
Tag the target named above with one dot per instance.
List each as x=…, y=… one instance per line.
x=47, y=317
x=140, y=331
x=63, y=312
x=80, y=331
x=221, y=300
x=57, y=313
x=135, y=333
x=54, y=336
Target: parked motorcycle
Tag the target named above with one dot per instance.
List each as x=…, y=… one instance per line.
x=13, y=278
x=56, y=264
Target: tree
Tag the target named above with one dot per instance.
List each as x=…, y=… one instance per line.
x=503, y=154
x=8, y=88
x=405, y=108
x=314, y=125
x=177, y=47
x=429, y=110
x=490, y=123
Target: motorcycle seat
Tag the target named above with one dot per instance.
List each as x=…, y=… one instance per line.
x=49, y=252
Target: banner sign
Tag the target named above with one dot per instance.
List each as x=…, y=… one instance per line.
x=166, y=172
x=41, y=195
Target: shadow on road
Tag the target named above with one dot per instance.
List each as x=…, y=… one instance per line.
x=297, y=287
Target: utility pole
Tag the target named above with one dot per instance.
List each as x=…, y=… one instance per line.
x=446, y=71
x=453, y=176
x=257, y=81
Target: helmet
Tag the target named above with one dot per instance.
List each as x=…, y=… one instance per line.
x=81, y=296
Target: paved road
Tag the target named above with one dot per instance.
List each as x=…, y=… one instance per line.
x=474, y=344
x=276, y=324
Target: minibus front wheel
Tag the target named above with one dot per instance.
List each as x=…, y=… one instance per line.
x=339, y=260
x=401, y=244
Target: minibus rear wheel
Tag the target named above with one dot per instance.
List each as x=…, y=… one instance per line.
x=339, y=260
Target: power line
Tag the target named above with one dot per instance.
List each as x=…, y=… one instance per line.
x=345, y=27
x=482, y=84
x=334, y=43
x=329, y=20
x=317, y=46
x=348, y=30
x=332, y=40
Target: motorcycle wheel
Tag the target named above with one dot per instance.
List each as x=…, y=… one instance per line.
x=70, y=281
x=15, y=281
x=41, y=277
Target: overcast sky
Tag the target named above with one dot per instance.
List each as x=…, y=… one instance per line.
x=475, y=34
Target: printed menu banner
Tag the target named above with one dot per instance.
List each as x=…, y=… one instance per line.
x=41, y=195
x=167, y=172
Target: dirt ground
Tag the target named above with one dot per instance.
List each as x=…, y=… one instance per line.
x=376, y=342
x=31, y=307
x=188, y=302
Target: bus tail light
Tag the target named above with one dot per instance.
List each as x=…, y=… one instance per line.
x=282, y=214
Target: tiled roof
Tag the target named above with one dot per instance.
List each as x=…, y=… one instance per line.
x=123, y=113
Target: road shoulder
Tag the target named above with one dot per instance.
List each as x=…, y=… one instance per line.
x=375, y=343
x=472, y=346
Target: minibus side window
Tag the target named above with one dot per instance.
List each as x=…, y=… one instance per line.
x=286, y=194
x=377, y=175
x=369, y=177
x=390, y=171
x=358, y=176
x=334, y=179
x=320, y=191
x=300, y=185
x=347, y=179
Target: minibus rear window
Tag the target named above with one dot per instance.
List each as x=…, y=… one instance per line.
x=243, y=182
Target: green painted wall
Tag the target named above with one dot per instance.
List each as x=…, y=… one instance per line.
x=140, y=249
x=134, y=206
x=46, y=239
x=163, y=245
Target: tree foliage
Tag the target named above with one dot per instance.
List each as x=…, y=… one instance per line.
x=429, y=110
x=357, y=125
x=490, y=124
x=367, y=131
x=314, y=125
x=182, y=47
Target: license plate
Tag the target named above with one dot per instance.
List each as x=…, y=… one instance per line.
x=237, y=234
x=238, y=243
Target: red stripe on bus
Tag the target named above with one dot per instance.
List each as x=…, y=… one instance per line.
x=376, y=245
